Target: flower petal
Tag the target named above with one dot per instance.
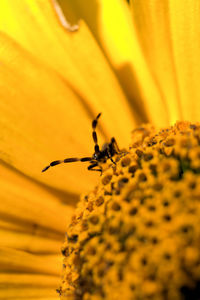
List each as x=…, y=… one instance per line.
x=111, y=24
x=28, y=285
x=37, y=293
x=17, y=225
x=17, y=279
x=185, y=34
x=25, y=202
x=39, y=113
x=76, y=56
x=29, y=243
x=151, y=19
x=169, y=34
x=20, y=261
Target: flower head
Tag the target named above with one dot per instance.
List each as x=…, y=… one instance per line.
x=138, y=232
x=60, y=66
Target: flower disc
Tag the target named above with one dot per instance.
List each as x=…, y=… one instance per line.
x=137, y=233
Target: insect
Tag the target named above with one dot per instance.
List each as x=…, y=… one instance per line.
x=100, y=156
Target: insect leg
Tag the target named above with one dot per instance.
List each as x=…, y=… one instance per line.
x=110, y=156
x=115, y=145
x=90, y=168
x=112, y=160
x=94, y=134
x=112, y=149
x=66, y=160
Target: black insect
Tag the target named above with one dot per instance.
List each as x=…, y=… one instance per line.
x=100, y=156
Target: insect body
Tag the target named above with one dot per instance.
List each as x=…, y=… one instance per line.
x=100, y=156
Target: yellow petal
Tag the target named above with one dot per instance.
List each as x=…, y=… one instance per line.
x=76, y=56
x=185, y=35
x=111, y=24
x=30, y=293
x=17, y=225
x=29, y=243
x=20, y=261
x=25, y=202
x=36, y=298
x=17, y=279
x=37, y=120
x=169, y=35
x=30, y=119
x=151, y=19
x=27, y=284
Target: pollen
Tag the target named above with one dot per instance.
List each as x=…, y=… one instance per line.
x=137, y=234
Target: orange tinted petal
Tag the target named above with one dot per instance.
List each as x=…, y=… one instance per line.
x=151, y=20
x=111, y=24
x=169, y=34
x=185, y=33
x=16, y=260
x=39, y=113
x=24, y=202
x=76, y=56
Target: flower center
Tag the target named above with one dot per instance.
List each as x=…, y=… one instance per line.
x=137, y=234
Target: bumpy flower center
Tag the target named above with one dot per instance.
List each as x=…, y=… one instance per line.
x=137, y=235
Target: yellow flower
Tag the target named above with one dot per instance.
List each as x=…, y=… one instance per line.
x=136, y=64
